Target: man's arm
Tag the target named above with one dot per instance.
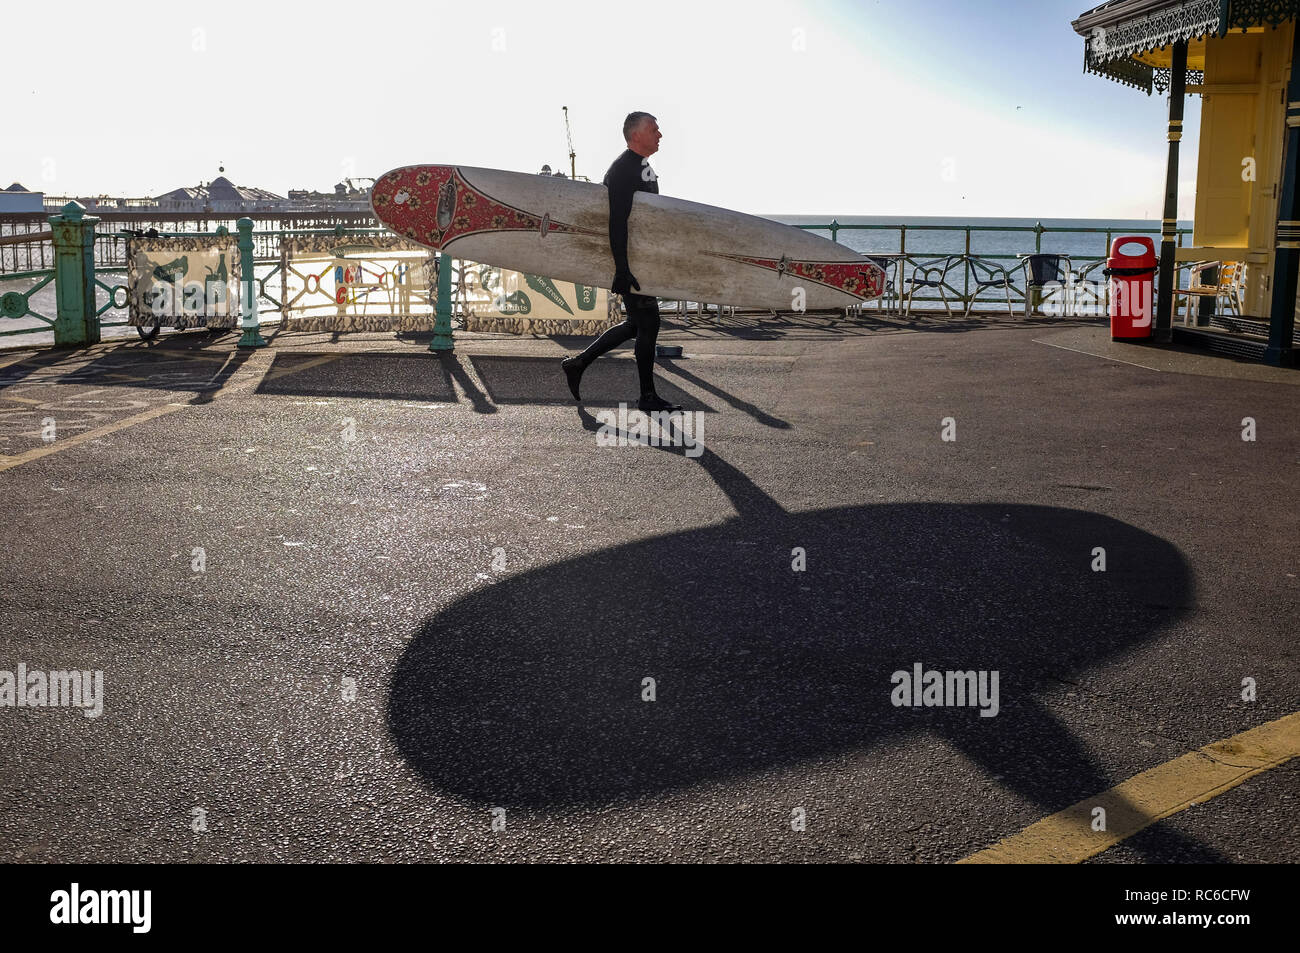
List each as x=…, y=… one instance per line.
x=621, y=191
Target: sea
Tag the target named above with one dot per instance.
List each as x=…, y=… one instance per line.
x=938, y=236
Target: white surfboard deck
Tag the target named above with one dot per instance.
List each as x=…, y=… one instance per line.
x=679, y=250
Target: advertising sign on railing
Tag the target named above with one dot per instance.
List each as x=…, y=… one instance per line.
x=183, y=282
x=509, y=302
x=358, y=283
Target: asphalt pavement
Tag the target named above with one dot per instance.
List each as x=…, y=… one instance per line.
x=356, y=601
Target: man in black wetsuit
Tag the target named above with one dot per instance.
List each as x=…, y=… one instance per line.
x=630, y=173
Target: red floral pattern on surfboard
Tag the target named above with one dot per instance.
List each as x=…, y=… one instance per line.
x=435, y=205
x=861, y=279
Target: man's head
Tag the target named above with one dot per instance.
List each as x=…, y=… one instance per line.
x=641, y=131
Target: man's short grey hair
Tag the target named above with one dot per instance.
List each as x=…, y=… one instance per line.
x=632, y=121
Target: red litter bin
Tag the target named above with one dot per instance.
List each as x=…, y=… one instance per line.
x=1131, y=269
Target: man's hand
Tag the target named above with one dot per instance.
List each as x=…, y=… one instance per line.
x=624, y=282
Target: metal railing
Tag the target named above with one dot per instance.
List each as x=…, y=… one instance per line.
x=909, y=260
x=25, y=243
x=16, y=302
x=267, y=255
x=110, y=260
x=265, y=283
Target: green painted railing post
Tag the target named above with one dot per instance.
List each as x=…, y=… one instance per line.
x=835, y=229
x=1038, y=236
x=442, y=316
x=965, y=286
x=248, y=321
x=74, y=276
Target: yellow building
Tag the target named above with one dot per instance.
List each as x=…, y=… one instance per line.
x=1237, y=55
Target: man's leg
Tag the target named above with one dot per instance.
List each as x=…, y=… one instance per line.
x=610, y=339
x=643, y=324
x=644, y=311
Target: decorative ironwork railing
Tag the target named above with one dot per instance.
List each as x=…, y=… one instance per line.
x=30, y=299
x=907, y=262
x=25, y=240
x=278, y=282
x=16, y=303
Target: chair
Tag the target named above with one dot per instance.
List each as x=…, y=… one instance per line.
x=1084, y=288
x=682, y=309
x=1041, y=271
x=1230, y=284
x=886, y=263
x=994, y=276
x=935, y=275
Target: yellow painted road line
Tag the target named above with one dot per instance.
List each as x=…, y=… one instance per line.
x=190, y=356
x=1165, y=790
x=96, y=351
x=22, y=400
x=16, y=359
x=305, y=365
x=267, y=375
x=66, y=443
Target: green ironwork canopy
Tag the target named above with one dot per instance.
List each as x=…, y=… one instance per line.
x=1120, y=35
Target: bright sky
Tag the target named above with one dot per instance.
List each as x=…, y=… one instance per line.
x=884, y=107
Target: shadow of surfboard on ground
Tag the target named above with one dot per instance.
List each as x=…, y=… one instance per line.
x=527, y=692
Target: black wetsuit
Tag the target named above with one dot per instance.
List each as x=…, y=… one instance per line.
x=629, y=174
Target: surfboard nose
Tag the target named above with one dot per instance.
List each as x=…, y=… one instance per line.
x=415, y=200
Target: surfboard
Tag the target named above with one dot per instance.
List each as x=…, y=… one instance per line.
x=679, y=250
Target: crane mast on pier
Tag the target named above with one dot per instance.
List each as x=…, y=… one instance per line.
x=573, y=166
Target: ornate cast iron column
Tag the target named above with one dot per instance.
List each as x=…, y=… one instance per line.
x=1169, y=224
x=1281, y=325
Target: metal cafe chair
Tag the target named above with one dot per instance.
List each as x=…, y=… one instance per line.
x=933, y=274
x=1088, y=293
x=993, y=276
x=889, y=264
x=1042, y=270
x=703, y=311
x=1230, y=285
